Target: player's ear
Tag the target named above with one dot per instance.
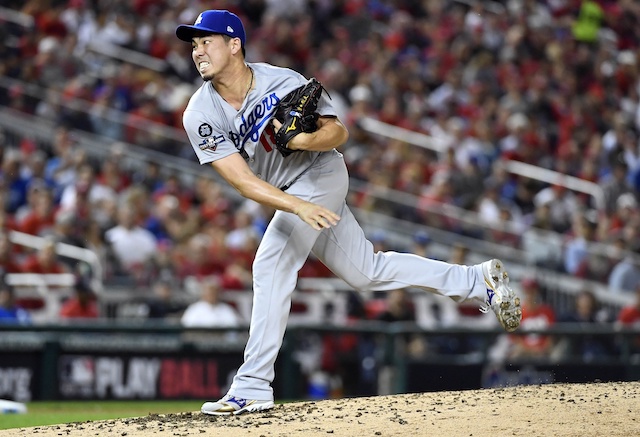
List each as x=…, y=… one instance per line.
x=236, y=45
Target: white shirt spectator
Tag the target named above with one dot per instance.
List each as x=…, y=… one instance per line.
x=131, y=244
x=244, y=232
x=98, y=193
x=86, y=185
x=209, y=311
x=203, y=314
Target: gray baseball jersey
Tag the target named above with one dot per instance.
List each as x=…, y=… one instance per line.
x=217, y=130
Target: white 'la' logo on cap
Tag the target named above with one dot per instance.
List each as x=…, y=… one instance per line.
x=229, y=29
x=198, y=20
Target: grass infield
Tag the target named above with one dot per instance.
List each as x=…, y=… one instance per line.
x=58, y=412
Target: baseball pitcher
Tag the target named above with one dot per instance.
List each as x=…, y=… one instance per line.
x=272, y=134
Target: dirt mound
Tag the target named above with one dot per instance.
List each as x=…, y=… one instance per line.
x=599, y=409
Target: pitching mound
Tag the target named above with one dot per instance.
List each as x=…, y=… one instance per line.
x=601, y=409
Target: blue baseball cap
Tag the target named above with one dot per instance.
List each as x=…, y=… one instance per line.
x=213, y=21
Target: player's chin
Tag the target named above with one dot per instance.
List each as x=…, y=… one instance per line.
x=206, y=77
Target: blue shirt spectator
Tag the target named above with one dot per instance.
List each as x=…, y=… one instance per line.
x=10, y=177
x=625, y=276
x=10, y=313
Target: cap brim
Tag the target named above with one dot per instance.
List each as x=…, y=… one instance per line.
x=186, y=32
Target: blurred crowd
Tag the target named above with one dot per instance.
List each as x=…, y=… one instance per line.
x=554, y=84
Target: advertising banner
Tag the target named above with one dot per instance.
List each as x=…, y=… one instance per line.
x=19, y=375
x=145, y=376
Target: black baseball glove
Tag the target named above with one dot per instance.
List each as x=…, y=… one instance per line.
x=297, y=113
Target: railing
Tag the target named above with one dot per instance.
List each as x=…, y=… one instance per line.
x=85, y=107
x=52, y=289
x=78, y=253
x=108, y=50
x=448, y=217
x=16, y=17
x=129, y=56
x=530, y=171
x=22, y=125
x=553, y=177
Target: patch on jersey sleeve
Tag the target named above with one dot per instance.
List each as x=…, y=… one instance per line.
x=205, y=130
x=211, y=143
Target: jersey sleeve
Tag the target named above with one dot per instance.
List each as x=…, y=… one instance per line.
x=325, y=108
x=210, y=142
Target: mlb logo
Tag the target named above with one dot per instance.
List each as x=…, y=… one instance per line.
x=211, y=143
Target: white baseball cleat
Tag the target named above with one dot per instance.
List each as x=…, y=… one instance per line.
x=232, y=405
x=500, y=297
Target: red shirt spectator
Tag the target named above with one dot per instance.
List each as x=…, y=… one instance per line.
x=8, y=256
x=140, y=122
x=202, y=256
x=81, y=306
x=42, y=218
x=113, y=176
x=629, y=316
x=44, y=261
x=536, y=315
